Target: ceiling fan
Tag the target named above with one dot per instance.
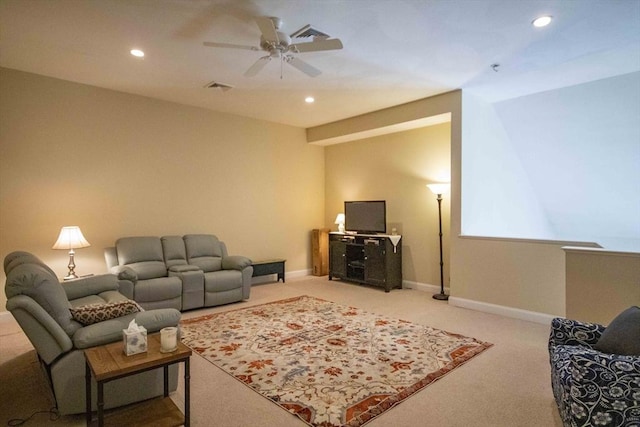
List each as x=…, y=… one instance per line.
x=278, y=46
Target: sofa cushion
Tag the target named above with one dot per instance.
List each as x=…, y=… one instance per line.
x=622, y=336
x=204, y=251
x=94, y=313
x=111, y=330
x=174, y=250
x=149, y=269
x=106, y=297
x=132, y=250
x=223, y=280
x=207, y=264
x=160, y=289
x=37, y=281
x=92, y=285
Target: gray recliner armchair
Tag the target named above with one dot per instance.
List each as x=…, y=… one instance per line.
x=43, y=307
x=227, y=278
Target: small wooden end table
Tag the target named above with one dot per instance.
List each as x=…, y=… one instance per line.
x=108, y=362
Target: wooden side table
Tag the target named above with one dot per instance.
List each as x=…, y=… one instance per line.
x=108, y=362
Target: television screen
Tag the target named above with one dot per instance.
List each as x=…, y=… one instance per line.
x=365, y=216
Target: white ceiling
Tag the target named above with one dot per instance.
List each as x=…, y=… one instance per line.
x=394, y=52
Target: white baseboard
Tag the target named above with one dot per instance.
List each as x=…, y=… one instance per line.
x=433, y=289
x=299, y=273
x=515, y=313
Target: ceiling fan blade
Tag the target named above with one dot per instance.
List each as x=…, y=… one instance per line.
x=230, y=46
x=257, y=66
x=317, y=45
x=309, y=70
x=268, y=29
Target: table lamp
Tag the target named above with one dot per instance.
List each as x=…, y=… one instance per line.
x=340, y=222
x=71, y=238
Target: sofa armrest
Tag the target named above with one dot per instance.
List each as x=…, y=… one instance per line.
x=124, y=273
x=92, y=285
x=45, y=334
x=572, y=332
x=605, y=388
x=111, y=330
x=126, y=288
x=235, y=262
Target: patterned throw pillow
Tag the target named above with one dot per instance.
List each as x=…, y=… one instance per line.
x=94, y=313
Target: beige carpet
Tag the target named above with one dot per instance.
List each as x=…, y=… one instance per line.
x=508, y=386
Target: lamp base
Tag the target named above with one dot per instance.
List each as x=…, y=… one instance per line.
x=441, y=297
x=72, y=266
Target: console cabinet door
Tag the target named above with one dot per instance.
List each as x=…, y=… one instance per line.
x=338, y=262
x=375, y=270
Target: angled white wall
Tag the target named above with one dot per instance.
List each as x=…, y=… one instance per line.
x=562, y=164
x=497, y=197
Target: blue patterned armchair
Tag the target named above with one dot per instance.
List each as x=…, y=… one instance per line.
x=592, y=388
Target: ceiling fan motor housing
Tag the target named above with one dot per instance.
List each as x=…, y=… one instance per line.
x=281, y=46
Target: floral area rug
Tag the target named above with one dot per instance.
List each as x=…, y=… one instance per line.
x=329, y=364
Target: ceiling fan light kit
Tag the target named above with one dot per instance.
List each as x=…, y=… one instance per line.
x=278, y=45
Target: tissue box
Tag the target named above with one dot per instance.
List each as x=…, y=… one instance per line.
x=134, y=342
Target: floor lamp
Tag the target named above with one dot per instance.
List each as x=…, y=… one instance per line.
x=438, y=190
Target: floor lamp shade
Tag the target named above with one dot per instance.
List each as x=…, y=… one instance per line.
x=71, y=238
x=438, y=188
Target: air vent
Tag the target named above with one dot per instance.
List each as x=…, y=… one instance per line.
x=308, y=31
x=218, y=85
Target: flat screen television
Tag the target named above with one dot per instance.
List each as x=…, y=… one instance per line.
x=365, y=217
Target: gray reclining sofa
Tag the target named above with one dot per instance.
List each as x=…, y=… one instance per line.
x=181, y=272
x=43, y=308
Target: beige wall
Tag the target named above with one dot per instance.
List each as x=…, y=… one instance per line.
x=118, y=165
x=601, y=283
x=518, y=276
x=396, y=168
x=511, y=273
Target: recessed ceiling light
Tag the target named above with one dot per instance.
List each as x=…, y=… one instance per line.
x=137, y=52
x=542, y=21
x=309, y=100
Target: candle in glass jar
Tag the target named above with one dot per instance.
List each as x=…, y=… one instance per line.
x=168, y=339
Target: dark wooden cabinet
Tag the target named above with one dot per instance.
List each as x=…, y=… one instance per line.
x=363, y=258
x=337, y=258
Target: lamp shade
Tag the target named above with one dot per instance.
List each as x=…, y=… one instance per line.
x=439, y=188
x=340, y=219
x=70, y=238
